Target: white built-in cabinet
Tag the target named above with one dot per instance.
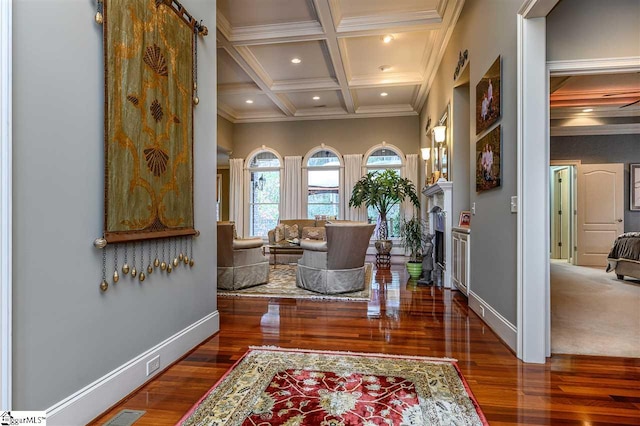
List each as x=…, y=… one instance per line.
x=460, y=273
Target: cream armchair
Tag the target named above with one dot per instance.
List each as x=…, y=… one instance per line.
x=337, y=264
x=241, y=263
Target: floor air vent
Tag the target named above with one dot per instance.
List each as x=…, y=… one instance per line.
x=125, y=418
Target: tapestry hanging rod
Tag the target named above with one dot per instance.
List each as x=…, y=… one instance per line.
x=101, y=242
x=175, y=5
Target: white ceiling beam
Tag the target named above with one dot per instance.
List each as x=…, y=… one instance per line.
x=238, y=89
x=291, y=31
x=325, y=16
x=387, y=79
x=389, y=20
x=305, y=85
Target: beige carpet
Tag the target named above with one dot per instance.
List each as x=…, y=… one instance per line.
x=282, y=283
x=593, y=313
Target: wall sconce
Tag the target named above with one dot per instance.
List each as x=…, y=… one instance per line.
x=426, y=153
x=439, y=133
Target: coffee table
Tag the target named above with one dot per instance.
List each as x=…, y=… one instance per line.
x=283, y=248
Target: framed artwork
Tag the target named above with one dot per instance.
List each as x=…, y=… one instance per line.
x=488, y=97
x=149, y=97
x=634, y=186
x=488, y=161
x=465, y=219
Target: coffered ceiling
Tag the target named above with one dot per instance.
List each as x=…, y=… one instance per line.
x=315, y=59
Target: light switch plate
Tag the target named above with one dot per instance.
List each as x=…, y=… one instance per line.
x=473, y=209
x=514, y=204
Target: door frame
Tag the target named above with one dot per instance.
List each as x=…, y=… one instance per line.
x=5, y=203
x=534, y=330
x=573, y=167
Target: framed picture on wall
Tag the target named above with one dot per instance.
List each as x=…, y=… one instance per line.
x=465, y=219
x=634, y=186
x=488, y=97
x=488, y=161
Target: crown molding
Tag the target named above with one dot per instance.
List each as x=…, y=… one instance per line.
x=435, y=57
x=384, y=109
x=305, y=85
x=606, y=129
x=244, y=120
x=223, y=26
x=594, y=66
x=224, y=114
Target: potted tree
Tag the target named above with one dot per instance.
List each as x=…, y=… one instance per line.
x=382, y=190
x=413, y=240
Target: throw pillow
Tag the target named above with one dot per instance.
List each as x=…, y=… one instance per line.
x=278, y=234
x=291, y=232
x=285, y=232
x=314, y=233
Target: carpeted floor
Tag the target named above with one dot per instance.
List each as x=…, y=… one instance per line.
x=282, y=283
x=593, y=313
x=272, y=386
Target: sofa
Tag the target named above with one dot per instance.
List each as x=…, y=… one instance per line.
x=303, y=229
x=241, y=262
x=337, y=264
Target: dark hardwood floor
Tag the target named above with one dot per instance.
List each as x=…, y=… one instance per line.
x=403, y=319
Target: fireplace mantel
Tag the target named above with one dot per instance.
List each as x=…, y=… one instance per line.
x=438, y=187
x=441, y=194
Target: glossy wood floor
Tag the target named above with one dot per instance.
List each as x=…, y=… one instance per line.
x=403, y=319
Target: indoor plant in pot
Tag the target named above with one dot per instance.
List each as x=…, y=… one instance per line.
x=382, y=190
x=413, y=238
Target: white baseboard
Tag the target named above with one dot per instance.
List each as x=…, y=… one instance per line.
x=499, y=324
x=89, y=402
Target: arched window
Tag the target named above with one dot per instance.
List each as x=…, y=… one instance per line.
x=323, y=182
x=379, y=158
x=263, y=184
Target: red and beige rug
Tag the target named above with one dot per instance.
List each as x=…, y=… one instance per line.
x=292, y=387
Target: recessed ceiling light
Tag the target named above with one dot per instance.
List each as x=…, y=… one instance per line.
x=296, y=60
x=383, y=94
x=384, y=68
x=388, y=38
x=249, y=101
x=587, y=110
x=316, y=98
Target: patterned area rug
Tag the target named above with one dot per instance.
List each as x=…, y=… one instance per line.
x=282, y=283
x=274, y=386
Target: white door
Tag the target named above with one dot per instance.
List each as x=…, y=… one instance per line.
x=600, y=211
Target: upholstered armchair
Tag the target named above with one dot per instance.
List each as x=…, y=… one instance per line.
x=241, y=263
x=337, y=264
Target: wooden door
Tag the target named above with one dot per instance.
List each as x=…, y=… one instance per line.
x=600, y=211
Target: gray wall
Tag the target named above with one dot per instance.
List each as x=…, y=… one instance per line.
x=66, y=334
x=584, y=29
x=487, y=28
x=225, y=134
x=347, y=136
x=599, y=150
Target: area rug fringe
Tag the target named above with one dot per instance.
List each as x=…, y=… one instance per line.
x=370, y=354
x=291, y=296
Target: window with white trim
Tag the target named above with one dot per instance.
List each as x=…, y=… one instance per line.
x=264, y=192
x=381, y=159
x=323, y=184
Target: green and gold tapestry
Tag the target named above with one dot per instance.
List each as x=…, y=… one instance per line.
x=149, y=81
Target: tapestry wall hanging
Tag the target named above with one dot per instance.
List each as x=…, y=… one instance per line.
x=150, y=90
